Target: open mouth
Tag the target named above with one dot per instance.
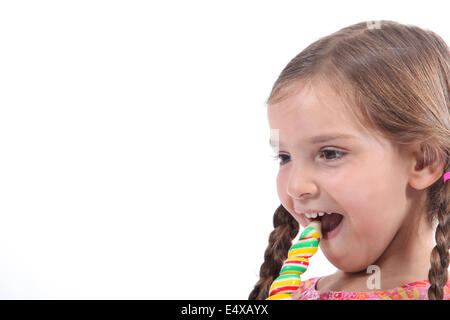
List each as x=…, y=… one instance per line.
x=329, y=221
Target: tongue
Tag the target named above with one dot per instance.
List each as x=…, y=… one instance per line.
x=330, y=221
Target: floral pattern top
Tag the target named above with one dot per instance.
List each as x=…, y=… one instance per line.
x=412, y=291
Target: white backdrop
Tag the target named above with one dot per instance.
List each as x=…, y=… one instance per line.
x=134, y=155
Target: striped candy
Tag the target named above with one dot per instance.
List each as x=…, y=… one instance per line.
x=296, y=263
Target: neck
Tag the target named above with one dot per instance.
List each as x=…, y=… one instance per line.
x=408, y=256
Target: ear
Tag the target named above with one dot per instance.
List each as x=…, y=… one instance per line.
x=425, y=167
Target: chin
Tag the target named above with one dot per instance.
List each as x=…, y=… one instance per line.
x=351, y=268
x=346, y=265
x=355, y=270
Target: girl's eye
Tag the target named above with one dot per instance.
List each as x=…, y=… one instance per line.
x=333, y=151
x=283, y=157
x=280, y=156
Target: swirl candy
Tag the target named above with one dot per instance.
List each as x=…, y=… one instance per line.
x=296, y=263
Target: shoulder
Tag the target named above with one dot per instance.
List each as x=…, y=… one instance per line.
x=306, y=290
x=447, y=291
x=420, y=289
x=310, y=283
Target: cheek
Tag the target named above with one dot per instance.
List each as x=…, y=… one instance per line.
x=371, y=197
x=358, y=187
x=352, y=189
x=372, y=189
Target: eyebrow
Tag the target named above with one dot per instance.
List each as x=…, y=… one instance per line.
x=322, y=138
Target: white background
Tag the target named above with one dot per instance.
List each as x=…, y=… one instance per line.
x=134, y=155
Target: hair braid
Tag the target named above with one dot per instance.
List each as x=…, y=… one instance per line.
x=438, y=273
x=280, y=240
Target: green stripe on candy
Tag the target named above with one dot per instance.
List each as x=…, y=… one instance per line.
x=288, y=276
x=296, y=268
x=310, y=243
x=308, y=230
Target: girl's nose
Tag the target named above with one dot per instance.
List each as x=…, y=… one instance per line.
x=301, y=187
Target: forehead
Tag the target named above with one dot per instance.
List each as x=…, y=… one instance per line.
x=310, y=111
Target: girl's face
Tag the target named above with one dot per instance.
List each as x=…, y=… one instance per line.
x=363, y=177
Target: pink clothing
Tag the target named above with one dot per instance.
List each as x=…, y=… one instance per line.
x=412, y=291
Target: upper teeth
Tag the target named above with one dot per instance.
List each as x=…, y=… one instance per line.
x=314, y=215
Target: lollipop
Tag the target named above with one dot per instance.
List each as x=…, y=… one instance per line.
x=296, y=263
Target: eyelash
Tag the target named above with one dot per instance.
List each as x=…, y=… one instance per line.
x=280, y=156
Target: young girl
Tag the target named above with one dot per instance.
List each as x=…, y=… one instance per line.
x=364, y=133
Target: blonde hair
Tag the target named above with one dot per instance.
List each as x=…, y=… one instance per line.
x=394, y=79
